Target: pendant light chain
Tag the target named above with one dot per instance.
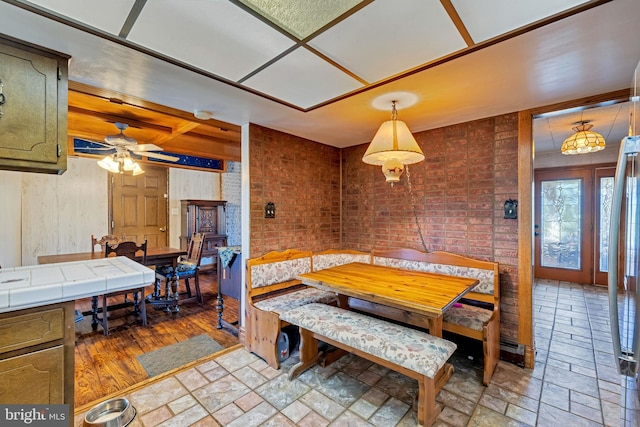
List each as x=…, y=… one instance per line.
x=415, y=212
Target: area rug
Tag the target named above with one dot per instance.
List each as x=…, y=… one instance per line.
x=167, y=358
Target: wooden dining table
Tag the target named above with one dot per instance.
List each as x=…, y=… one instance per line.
x=427, y=294
x=155, y=256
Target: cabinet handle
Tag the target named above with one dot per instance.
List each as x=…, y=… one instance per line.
x=2, y=97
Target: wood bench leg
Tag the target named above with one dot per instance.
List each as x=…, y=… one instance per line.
x=428, y=409
x=308, y=354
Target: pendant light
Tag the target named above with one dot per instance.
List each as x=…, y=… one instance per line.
x=393, y=147
x=583, y=140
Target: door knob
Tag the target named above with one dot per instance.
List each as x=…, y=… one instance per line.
x=163, y=229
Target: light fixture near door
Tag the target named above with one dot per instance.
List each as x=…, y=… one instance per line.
x=583, y=140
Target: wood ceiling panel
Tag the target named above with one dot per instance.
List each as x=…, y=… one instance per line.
x=93, y=112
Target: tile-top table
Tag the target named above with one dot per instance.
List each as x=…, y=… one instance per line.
x=37, y=285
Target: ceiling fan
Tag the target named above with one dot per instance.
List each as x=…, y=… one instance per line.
x=124, y=144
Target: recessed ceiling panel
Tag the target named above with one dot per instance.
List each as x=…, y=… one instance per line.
x=216, y=36
x=303, y=79
x=301, y=17
x=388, y=37
x=490, y=18
x=108, y=16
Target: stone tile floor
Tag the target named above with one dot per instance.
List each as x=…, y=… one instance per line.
x=574, y=383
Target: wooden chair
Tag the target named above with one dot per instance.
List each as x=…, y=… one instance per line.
x=128, y=249
x=107, y=238
x=187, y=268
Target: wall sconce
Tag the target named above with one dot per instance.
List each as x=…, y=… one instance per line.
x=270, y=210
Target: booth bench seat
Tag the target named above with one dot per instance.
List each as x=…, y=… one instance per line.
x=410, y=352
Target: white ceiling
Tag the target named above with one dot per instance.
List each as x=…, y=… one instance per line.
x=316, y=68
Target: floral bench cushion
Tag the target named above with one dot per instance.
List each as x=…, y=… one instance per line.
x=291, y=300
x=322, y=261
x=485, y=278
x=409, y=348
x=468, y=316
x=278, y=272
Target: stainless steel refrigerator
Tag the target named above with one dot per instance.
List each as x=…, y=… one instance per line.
x=624, y=255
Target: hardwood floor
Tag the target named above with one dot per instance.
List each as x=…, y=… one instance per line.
x=107, y=364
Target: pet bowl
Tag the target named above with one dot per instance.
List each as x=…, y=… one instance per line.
x=110, y=413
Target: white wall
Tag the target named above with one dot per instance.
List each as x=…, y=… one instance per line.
x=10, y=218
x=188, y=184
x=557, y=160
x=44, y=214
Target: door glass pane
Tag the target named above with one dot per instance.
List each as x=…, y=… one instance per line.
x=561, y=234
x=606, y=194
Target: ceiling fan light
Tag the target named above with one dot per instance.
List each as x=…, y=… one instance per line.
x=128, y=164
x=137, y=170
x=583, y=141
x=109, y=164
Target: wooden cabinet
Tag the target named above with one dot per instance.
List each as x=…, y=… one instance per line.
x=208, y=217
x=33, y=119
x=36, y=355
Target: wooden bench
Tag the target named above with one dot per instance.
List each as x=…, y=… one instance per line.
x=478, y=315
x=410, y=352
x=272, y=288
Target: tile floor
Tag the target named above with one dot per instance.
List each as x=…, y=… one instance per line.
x=574, y=383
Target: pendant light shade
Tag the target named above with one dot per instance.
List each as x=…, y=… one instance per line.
x=392, y=147
x=583, y=140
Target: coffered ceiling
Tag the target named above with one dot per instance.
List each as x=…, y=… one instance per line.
x=319, y=69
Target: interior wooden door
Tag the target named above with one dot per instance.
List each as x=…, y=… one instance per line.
x=139, y=206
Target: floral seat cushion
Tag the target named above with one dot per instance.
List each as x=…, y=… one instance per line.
x=403, y=346
x=288, y=301
x=468, y=316
x=183, y=268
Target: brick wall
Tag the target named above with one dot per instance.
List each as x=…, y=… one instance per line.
x=302, y=178
x=458, y=194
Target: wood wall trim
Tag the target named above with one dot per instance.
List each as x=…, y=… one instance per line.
x=617, y=96
x=525, y=235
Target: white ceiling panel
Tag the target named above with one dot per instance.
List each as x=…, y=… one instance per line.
x=388, y=37
x=303, y=79
x=215, y=36
x=108, y=16
x=489, y=18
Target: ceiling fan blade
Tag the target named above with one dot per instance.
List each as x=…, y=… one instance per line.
x=145, y=147
x=158, y=156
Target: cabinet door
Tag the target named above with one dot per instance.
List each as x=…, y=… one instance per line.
x=33, y=124
x=33, y=378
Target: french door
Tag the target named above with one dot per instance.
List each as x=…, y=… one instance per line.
x=572, y=223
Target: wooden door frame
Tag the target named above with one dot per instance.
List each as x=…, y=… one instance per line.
x=525, y=201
